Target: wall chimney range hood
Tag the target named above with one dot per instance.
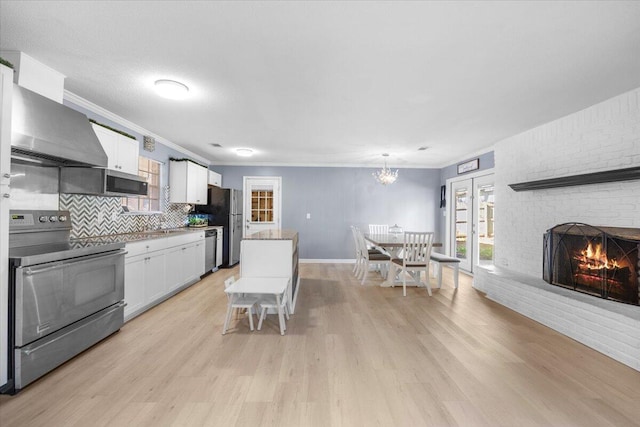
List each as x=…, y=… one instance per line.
x=52, y=134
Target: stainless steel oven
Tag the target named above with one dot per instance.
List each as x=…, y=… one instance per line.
x=53, y=295
x=65, y=296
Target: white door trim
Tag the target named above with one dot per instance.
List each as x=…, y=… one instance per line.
x=449, y=182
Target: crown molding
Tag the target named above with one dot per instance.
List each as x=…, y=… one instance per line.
x=80, y=101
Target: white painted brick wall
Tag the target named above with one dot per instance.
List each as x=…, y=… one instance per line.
x=602, y=137
x=605, y=136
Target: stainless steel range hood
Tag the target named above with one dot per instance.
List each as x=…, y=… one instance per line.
x=49, y=133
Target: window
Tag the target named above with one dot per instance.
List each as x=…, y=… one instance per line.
x=149, y=169
x=262, y=206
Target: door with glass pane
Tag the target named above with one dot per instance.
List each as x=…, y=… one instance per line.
x=483, y=201
x=262, y=204
x=462, y=222
x=472, y=221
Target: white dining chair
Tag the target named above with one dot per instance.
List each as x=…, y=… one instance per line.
x=235, y=302
x=267, y=302
x=416, y=254
x=378, y=229
x=356, y=242
x=371, y=256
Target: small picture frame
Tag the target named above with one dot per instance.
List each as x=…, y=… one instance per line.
x=469, y=166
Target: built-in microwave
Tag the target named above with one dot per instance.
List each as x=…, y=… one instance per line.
x=101, y=182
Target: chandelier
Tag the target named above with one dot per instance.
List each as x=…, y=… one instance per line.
x=385, y=175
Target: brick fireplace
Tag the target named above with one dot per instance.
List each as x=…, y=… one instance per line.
x=603, y=137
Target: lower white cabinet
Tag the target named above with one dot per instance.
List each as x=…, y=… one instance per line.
x=174, y=272
x=134, y=285
x=184, y=264
x=144, y=280
x=157, y=268
x=154, y=281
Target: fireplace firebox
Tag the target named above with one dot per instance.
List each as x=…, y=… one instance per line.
x=600, y=261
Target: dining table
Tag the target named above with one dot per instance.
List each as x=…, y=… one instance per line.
x=260, y=285
x=391, y=243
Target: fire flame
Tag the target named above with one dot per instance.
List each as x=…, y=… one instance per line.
x=593, y=258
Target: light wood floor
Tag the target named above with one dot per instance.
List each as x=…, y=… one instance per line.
x=353, y=356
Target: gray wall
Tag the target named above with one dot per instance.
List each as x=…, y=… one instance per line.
x=451, y=171
x=339, y=197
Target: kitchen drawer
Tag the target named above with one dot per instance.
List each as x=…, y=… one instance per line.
x=145, y=246
x=184, y=238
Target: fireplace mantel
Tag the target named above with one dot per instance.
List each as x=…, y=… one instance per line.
x=582, y=179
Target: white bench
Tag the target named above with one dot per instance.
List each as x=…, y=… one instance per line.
x=451, y=262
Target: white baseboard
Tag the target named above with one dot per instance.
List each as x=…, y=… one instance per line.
x=327, y=261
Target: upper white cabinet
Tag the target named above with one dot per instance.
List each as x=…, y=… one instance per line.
x=121, y=150
x=35, y=76
x=215, y=179
x=187, y=182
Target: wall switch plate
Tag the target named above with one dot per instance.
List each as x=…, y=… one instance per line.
x=308, y=216
x=100, y=216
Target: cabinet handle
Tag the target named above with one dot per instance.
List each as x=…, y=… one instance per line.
x=6, y=195
x=6, y=175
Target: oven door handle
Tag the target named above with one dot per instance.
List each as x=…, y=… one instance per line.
x=32, y=349
x=29, y=271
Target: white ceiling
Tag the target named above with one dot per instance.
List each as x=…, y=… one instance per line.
x=335, y=83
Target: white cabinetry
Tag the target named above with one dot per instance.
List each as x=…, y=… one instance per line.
x=158, y=268
x=155, y=283
x=215, y=179
x=144, y=280
x=187, y=182
x=122, y=151
x=185, y=263
x=35, y=76
x=134, y=284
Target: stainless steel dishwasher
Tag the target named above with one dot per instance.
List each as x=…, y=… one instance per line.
x=210, y=238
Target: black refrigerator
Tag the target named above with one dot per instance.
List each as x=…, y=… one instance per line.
x=224, y=207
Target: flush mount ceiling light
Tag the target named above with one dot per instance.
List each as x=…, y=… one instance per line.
x=171, y=89
x=385, y=176
x=244, y=152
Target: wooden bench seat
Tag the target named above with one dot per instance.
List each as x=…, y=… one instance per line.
x=451, y=262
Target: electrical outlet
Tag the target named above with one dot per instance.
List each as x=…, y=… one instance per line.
x=100, y=217
x=114, y=216
x=308, y=216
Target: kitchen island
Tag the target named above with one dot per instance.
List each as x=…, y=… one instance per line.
x=272, y=253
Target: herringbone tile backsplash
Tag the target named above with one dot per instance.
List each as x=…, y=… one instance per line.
x=86, y=221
